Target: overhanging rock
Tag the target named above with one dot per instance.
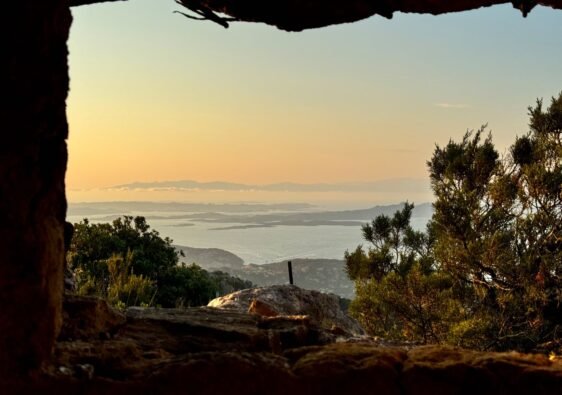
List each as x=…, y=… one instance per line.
x=296, y=15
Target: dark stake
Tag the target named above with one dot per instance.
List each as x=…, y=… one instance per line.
x=289, y=264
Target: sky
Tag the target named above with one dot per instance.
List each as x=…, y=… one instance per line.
x=158, y=97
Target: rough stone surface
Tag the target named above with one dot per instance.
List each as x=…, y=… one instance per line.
x=33, y=157
x=295, y=15
x=447, y=370
x=322, y=309
x=149, y=339
x=354, y=368
x=88, y=317
x=215, y=351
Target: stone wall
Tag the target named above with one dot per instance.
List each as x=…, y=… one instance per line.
x=219, y=351
x=33, y=153
x=33, y=159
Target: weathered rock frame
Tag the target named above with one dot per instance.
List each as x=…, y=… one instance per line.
x=33, y=153
x=33, y=158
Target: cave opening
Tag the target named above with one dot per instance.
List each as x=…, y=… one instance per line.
x=33, y=155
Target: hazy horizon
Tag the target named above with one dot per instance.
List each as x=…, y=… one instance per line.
x=328, y=195
x=257, y=233
x=155, y=96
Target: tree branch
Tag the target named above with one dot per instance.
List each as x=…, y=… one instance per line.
x=203, y=12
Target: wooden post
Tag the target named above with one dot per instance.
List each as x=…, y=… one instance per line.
x=289, y=264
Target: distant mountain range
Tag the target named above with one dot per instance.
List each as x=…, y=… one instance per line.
x=394, y=185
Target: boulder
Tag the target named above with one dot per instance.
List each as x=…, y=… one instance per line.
x=289, y=300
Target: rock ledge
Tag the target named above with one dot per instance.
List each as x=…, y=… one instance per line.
x=221, y=351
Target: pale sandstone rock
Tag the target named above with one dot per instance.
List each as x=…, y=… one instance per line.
x=323, y=309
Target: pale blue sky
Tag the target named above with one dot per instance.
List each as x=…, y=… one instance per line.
x=167, y=98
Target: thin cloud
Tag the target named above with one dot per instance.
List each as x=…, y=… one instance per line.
x=221, y=186
x=451, y=105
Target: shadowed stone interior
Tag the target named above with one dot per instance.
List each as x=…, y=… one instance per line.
x=223, y=351
x=33, y=159
x=296, y=15
x=32, y=166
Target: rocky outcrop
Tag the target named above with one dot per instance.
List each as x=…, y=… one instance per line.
x=295, y=15
x=33, y=159
x=99, y=342
x=289, y=300
x=221, y=351
x=33, y=156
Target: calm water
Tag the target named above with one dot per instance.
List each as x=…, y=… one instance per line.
x=261, y=245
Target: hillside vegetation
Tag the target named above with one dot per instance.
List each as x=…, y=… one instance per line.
x=128, y=263
x=487, y=272
x=325, y=275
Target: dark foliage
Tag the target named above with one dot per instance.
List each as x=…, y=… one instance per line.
x=129, y=263
x=493, y=248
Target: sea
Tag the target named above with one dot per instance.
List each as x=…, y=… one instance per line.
x=250, y=239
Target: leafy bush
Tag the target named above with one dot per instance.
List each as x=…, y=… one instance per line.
x=487, y=273
x=126, y=288
x=129, y=264
x=400, y=294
